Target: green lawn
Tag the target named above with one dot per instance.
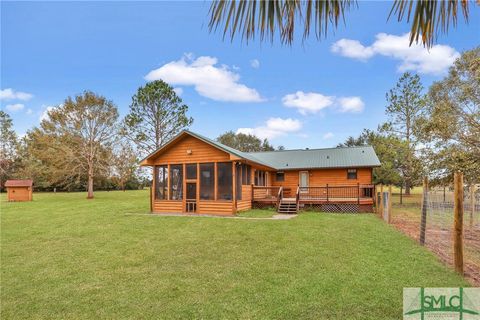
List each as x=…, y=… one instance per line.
x=257, y=213
x=65, y=257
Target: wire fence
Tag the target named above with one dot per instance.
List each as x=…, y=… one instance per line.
x=437, y=227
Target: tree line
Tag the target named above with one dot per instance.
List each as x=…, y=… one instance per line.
x=82, y=144
x=434, y=133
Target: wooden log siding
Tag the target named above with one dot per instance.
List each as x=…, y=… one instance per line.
x=320, y=177
x=201, y=152
x=246, y=202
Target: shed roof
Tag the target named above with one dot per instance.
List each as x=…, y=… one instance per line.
x=18, y=183
x=341, y=157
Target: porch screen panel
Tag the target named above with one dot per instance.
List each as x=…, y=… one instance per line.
x=161, y=182
x=207, y=181
x=238, y=187
x=176, y=182
x=224, y=181
x=192, y=171
x=246, y=171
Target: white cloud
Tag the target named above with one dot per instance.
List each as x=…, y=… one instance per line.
x=352, y=49
x=328, y=135
x=209, y=80
x=10, y=94
x=313, y=102
x=416, y=58
x=307, y=102
x=350, y=104
x=178, y=91
x=274, y=127
x=14, y=107
x=44, y=115
x=29, y=111
x=255, y=63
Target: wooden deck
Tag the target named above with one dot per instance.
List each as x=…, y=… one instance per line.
x=331, y=198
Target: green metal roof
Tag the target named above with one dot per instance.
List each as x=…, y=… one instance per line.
x=320, y=158
x=344, y=157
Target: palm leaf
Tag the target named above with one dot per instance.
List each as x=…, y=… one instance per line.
x=429, y=17
x=269, y=17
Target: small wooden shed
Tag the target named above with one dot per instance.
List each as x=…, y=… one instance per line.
x=19, y=190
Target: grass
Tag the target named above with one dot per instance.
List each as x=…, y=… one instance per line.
x=65, y=257
x=257, y=213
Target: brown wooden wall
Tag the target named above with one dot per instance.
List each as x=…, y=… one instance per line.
x=166, y=206
x=19, y=193
x=246, y=202
x=220, y=207
x=320, y=177
x=201, y=152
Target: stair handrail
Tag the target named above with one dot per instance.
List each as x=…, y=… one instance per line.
x=279, y=196
x=297, y=197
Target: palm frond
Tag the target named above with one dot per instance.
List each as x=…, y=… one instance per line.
x=266, y=18
x=429, y=17
x=269, y=17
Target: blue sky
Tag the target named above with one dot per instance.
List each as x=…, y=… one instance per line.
x=312, y=94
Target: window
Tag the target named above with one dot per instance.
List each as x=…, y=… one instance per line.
x=176, y=182
x=238, y=187
x=224, y=181
x=352, y=174
x=280, y=176
x=260, y=178
x=192, y=171
x=161, y=182
x=207, y=180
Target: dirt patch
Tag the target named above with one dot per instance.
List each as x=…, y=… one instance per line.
x=438, y=239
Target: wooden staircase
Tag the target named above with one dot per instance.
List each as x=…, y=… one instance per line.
x=287, y=205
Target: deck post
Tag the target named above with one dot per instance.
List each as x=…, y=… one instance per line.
x=358, y=193
x=327, y=192
x=252, y=193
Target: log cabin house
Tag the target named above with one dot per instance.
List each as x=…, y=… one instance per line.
x=194, y=174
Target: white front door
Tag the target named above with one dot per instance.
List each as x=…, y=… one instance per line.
x=303, y=181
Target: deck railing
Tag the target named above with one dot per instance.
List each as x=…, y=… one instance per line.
x=328, y=193
x=337, y=192
x=266, y=193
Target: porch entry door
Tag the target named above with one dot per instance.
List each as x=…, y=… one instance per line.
x=191, y=197
x=303, y=179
